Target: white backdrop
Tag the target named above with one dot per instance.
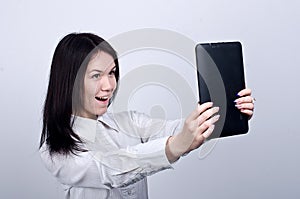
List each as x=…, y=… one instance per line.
x=263, y=164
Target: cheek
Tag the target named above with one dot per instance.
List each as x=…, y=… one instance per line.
x=114, y=83
x=89, y=90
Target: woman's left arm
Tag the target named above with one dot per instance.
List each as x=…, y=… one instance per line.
x=245, y=102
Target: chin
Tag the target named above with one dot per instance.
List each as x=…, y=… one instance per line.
x=101, y=112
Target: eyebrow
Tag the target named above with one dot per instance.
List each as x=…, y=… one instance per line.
x=115, y=67
x=100, y=71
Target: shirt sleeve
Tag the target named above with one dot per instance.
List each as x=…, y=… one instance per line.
x=128, y=165
x=146, y=128
x=154, y=128
x=117, y=168
x=133, y=162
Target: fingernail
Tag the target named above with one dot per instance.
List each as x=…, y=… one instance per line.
x=217, y=117
x=237, y=101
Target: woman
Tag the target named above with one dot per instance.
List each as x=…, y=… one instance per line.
x=95, y=154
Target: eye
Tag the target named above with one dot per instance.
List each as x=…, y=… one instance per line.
x=112, y=73
x=96, y=76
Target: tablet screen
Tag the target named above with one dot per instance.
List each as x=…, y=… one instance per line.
x=220, y=78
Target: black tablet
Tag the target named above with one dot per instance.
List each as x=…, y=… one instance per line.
x=220, y=77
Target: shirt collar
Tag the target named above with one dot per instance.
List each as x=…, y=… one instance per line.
x=108, y=120
x=85, y=128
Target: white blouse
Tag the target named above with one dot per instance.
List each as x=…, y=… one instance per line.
x=123, y=148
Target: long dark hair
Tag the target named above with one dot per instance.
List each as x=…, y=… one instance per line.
x=68, y=67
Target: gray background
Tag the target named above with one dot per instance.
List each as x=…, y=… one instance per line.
x=263, y=164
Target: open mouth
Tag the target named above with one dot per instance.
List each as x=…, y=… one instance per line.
x=102, y=99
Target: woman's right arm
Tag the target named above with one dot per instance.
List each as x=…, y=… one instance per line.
x=127, y=165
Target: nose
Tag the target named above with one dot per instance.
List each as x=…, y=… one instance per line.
x=107, y=84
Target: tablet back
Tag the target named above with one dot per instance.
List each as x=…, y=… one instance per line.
x=220, y=78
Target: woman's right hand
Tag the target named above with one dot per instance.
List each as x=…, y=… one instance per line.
x=197, y=127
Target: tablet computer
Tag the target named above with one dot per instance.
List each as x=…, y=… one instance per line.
x=220, y=77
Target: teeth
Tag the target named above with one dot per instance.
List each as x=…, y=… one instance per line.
x=102, y=98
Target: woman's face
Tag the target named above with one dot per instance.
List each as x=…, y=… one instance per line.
x=99, y=85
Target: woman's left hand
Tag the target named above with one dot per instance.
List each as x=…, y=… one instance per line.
x=245, y=102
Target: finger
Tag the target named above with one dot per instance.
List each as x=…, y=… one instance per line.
x=246, y=99
x=249, y=106
x=198, y=141
x=244, y=92
x=247, y=112
x=200, y=108
x=203, y=107
x=208, y=132
x=207, y=114
x=207, y=124
x=201, y=137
